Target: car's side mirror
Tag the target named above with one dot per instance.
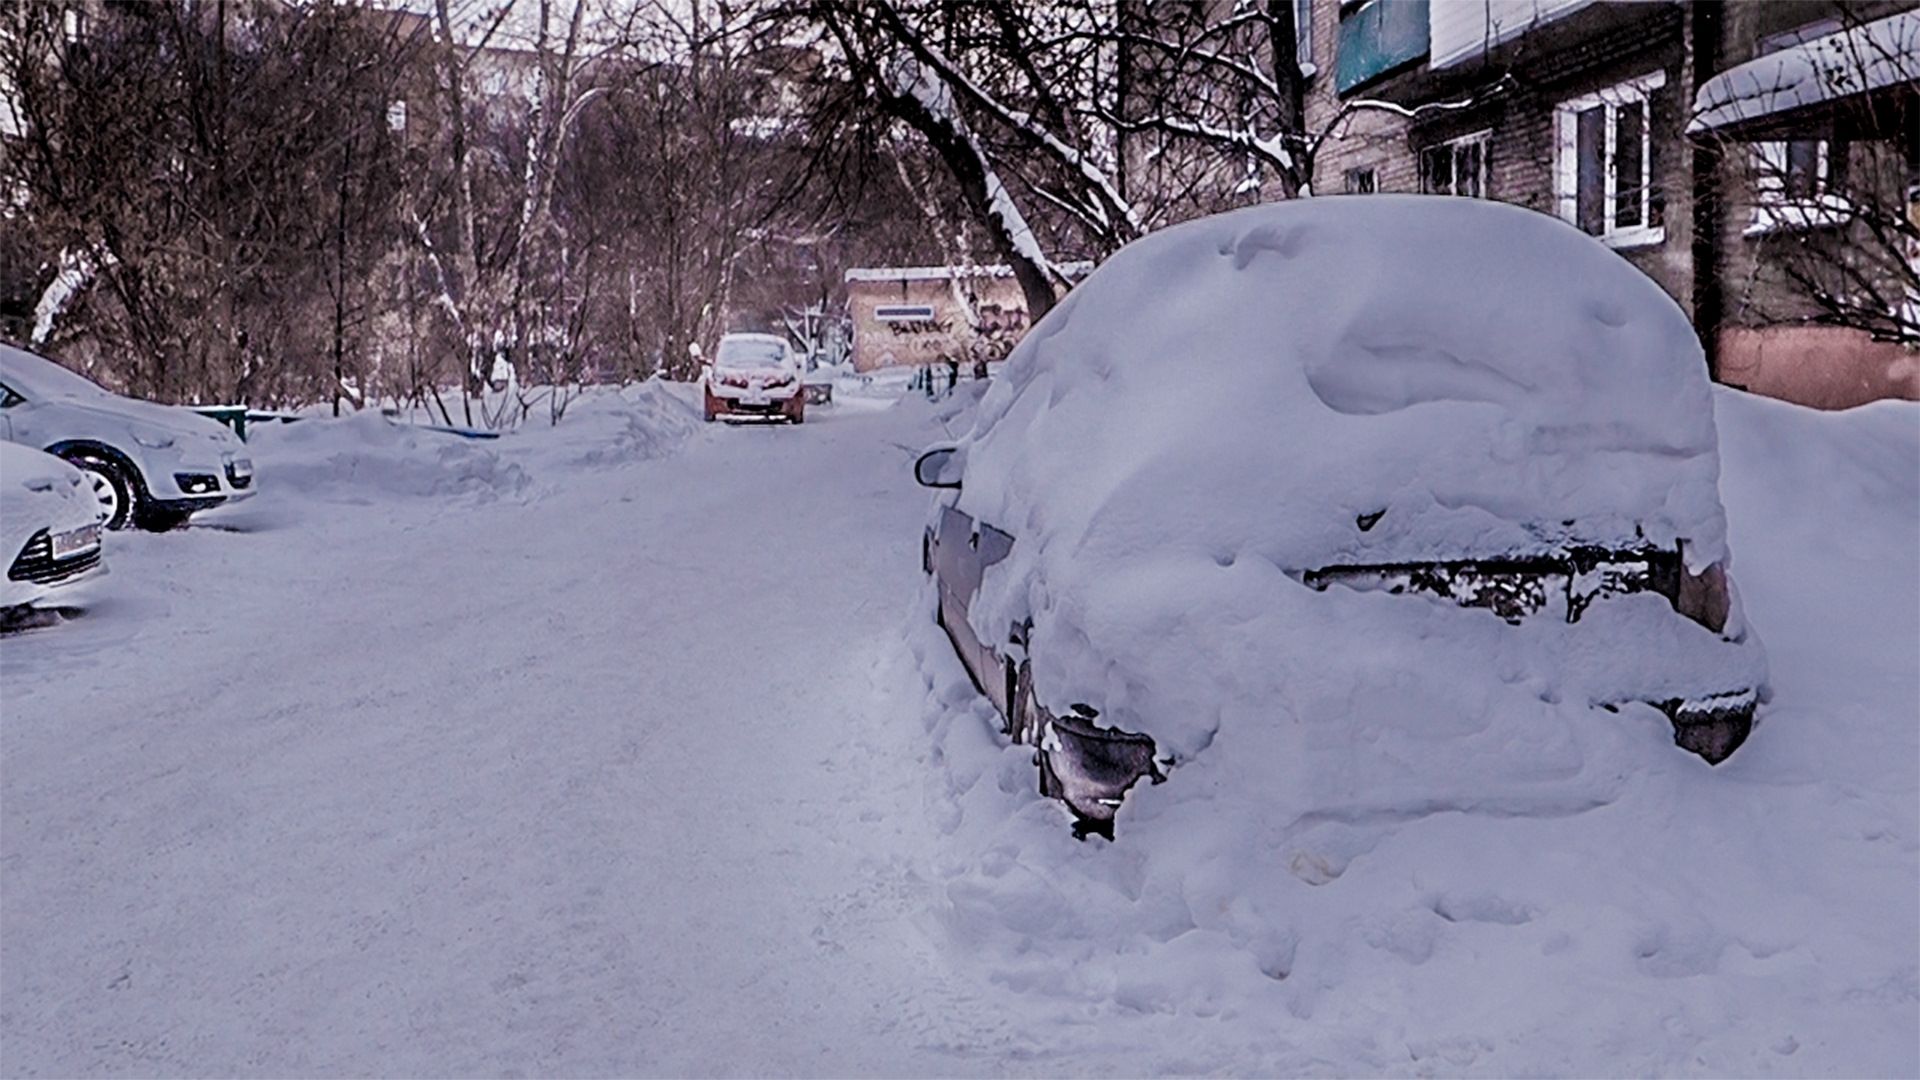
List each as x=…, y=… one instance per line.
x=940, y=467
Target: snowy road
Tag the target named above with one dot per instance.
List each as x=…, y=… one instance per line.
x=626, y=748
x=606, y=781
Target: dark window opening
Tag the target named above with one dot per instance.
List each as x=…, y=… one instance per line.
x=1629, y=174
x=1455, y=168
x=1591, y=152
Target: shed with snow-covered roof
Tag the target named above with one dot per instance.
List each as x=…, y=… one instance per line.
x=918, y=315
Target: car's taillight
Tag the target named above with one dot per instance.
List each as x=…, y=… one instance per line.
x=1704, y=598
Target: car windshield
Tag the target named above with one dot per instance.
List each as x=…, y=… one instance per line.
x=31, y=377
x=751, y=353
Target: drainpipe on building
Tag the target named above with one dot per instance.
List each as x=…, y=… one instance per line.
x=1706, y=25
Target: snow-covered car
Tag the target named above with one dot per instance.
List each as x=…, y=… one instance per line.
x=754, y=375
x=148, y=465
x=49, y=526
x=1378, y=469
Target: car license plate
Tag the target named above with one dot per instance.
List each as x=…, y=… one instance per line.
x=69, y=544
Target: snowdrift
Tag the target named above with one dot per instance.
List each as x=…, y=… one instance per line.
x=368, y=455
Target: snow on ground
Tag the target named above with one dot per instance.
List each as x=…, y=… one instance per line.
x=629, y=747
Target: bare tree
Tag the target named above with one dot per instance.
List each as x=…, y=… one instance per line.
x=1822, y=150
x=178, y=167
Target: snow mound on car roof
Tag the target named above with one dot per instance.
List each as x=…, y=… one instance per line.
x=1491, y=379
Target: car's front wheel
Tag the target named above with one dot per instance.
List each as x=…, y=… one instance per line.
x=112, y=487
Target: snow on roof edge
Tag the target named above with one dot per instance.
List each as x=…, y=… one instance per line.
x=943, y=273
x=1879, y=54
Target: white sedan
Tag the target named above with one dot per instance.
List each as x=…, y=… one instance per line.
x=49, y=527
x=148, y=465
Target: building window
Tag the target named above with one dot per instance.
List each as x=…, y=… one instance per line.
x=1456, y=167
x=1303, y=37
x=1362, y=181
x=903, y=312
x=1797, y=184
x=1606, y=175
x=1376, y=37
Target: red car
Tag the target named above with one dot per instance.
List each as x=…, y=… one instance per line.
x=754, y=375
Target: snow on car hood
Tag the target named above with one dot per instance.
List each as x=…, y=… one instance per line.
x=1229, y=403
x=31, y=470
x=44, y=380
x=153, y=420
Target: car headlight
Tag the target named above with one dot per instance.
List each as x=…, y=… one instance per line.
x=152, y=438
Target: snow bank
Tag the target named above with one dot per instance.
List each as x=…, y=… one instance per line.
x=638, y=422
x=367, y=454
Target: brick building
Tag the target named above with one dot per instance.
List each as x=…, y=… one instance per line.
x=1600, y=113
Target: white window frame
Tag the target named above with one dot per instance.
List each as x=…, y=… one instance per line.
x=1303, y=38
x=1566, y=174
x=1452, y=146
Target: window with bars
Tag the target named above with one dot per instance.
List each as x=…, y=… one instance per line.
x=1456, y=167
x=1362, y=181
x=1607, y=176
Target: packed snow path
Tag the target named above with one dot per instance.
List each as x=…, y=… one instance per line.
x=599, y=751
x=604, y=782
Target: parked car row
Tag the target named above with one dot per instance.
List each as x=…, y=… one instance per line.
x=79, y=459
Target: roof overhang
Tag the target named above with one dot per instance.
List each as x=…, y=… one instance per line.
x=1772, y=91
